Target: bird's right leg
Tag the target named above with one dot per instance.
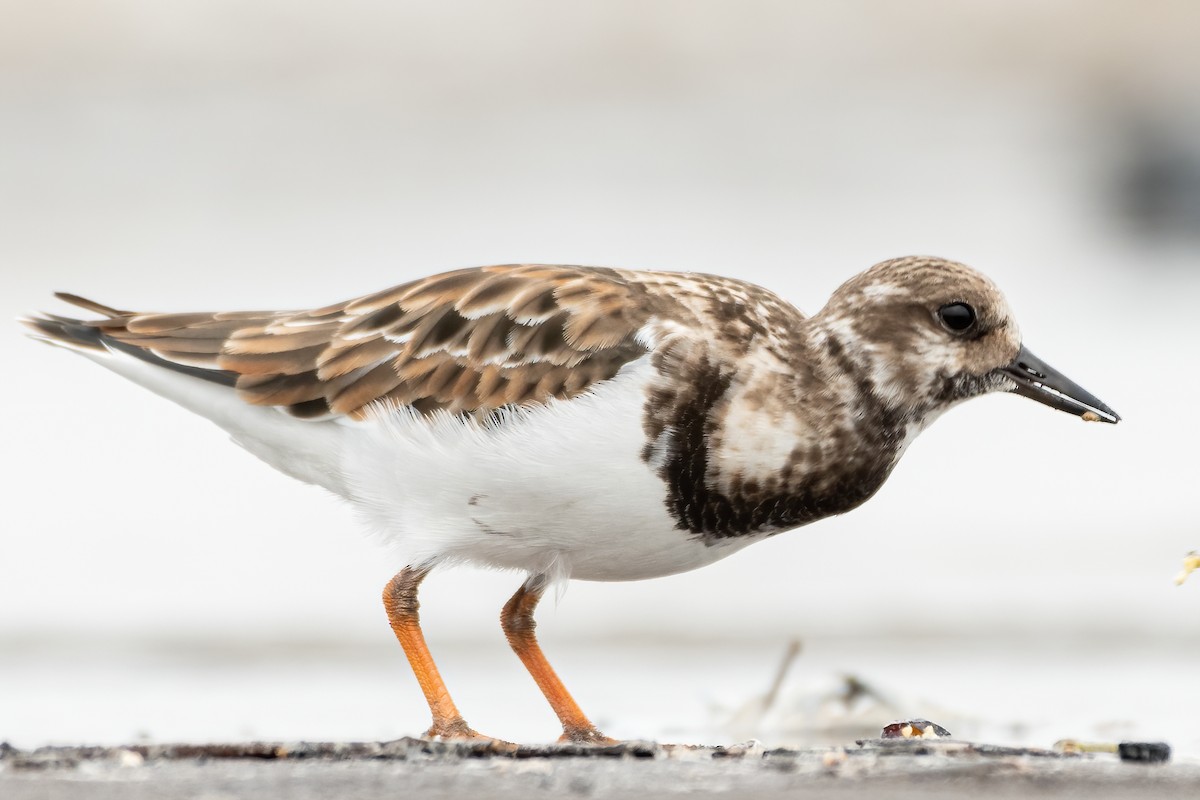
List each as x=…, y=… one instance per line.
x=517, y=621
x=400, y=601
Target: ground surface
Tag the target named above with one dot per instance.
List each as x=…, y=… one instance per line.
x=911, y=768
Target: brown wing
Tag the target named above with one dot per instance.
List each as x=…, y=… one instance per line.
x=472, y=340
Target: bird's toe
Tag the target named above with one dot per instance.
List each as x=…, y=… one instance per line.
x=586, y=736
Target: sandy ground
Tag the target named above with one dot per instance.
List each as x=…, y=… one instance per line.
x=1010, y=691
x=912, y=768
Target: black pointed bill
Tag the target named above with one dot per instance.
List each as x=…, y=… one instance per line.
x=1038, y=380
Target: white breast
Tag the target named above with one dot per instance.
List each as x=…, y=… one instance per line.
x=560, y=488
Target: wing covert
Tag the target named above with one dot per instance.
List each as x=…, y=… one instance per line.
x=467, y=341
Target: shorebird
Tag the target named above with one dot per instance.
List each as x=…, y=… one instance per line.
x=588, y=423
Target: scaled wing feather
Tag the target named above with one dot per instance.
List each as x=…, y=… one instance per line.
x=466, y=341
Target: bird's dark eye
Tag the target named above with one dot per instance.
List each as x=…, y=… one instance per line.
x=957, y=317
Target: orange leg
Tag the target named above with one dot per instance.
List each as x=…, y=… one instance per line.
x=400, y=601
x=518, y=623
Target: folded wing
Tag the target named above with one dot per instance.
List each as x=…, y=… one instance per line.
x=467, y=341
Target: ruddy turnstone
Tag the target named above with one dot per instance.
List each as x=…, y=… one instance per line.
x=573, y=422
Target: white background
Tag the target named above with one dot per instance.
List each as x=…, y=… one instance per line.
x=211, y=154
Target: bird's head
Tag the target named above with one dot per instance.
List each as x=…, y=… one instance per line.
x=921, y=334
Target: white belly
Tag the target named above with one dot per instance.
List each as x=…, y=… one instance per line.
x=560, y=489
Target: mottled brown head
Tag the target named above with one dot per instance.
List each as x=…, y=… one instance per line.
x=919, y=334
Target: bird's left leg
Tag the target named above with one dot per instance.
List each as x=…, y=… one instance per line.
x=517, y=621
x=400, y=601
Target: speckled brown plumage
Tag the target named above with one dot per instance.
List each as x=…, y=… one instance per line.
x=473, y=341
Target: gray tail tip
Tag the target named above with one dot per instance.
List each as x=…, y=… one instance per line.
x=53, y=329
x=67, y=331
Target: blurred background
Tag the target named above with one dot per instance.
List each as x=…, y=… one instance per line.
x=1012, y=581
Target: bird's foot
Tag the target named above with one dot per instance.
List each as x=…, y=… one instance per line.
x=457, y=730
x=587, y=735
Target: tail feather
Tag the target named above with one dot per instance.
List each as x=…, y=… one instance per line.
x=91, y=335
x=76, y=333
x=65, y=332
x=302, y=450
x=91, y=305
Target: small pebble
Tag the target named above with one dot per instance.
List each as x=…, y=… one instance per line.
x=1145, y=752
x=914, y=729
